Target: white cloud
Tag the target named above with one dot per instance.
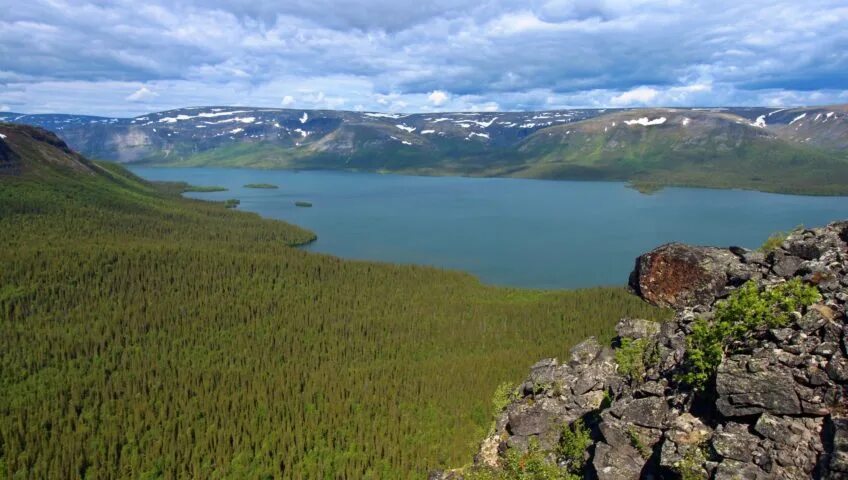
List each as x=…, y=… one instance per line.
x=636, y=96
x=142, y=94
x=405, y=56
x=438, y=97
x=4, y=108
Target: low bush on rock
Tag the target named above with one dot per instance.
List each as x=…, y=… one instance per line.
x=573, y=443
x=634, y=357
x=748, y=309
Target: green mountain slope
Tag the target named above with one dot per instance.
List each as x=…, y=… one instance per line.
x=143, y=335
x=682, y=147
x=797, y=150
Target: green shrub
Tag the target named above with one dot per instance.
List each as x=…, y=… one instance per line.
x=630, y=358
x=532, y=465
x=504, y=395
x=776, y=239
x=573, y=443
x=746, y=310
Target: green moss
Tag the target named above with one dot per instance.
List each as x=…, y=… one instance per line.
x=690, y=466
x=636, y=442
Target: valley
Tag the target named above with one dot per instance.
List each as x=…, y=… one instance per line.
x=145, y=335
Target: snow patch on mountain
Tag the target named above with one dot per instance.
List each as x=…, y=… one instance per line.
x=645, y=122
x=384, y=115
x=760, y=122
x=304, y=118
x=182, y=117
x=799, y=117
x=406, y=128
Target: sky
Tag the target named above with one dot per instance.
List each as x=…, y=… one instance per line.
x=126, y=58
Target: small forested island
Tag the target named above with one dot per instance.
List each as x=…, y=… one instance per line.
x=185, y=187
x=268, y=186
x=201, y=188
x=301, y=203
x=232, y=202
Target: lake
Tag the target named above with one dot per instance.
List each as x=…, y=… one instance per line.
x=526, y=233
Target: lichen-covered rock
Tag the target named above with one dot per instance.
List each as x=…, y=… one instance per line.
x=678, y=276
x=775, y=409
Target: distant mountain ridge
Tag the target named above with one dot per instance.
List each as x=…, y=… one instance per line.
x=797, y=150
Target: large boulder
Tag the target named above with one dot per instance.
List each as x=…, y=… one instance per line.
x=678, y=276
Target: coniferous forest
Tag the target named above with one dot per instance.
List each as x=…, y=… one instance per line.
x=144, y=335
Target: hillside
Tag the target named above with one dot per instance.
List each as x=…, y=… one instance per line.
x=749, y=380
x=144, y=335
x=685, y=147
x=799, y=150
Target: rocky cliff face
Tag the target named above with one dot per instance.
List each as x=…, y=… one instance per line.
x=773, y=408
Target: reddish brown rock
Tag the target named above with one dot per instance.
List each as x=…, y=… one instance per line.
x=677, y=275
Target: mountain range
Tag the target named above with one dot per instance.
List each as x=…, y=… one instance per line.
x=792, y=150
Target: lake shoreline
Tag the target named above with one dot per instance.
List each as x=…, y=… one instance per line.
x=521, y=233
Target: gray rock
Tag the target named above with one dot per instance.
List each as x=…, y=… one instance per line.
x=636, y=328
x=734, y=442
x=735, y=470
x=754, y=257
x=651, y=412
x=622, y=463
x=684, y=438
x=837, y=369
x=784, y=265
x=837, y=464
x=585, y=352
x=742, y=392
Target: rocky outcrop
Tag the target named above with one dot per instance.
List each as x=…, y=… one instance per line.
x=776, y=406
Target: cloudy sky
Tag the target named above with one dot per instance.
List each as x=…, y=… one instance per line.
x=127, y=57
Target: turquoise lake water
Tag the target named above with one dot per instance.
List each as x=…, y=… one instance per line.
x=527, y=233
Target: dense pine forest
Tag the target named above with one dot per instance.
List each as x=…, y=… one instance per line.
x=144, y=335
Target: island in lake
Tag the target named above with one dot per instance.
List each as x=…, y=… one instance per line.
x=261, y=185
